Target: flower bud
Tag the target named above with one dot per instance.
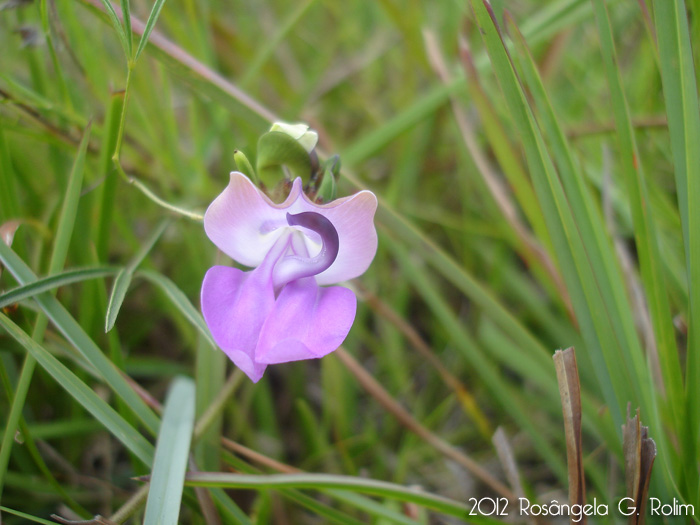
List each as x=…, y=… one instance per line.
x=300, y=132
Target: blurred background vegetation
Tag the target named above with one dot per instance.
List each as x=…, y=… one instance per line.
x=508, y=224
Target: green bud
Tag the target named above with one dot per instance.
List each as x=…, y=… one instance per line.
x=327, y=190
x=300, y=132
x=244, y=166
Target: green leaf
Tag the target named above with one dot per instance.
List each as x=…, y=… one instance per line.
x=150, y=24
x=8, y=193
x=69, y=209
x=172, y=452
x=244, y=166
x=26, y=516
x=119, y=288
x=54, y=281
x=106, y=170
x=328, y=189
x=123, y=280
x=681, y=96
x=64, y=232
x=72, y=331
x=501, y=392
x=580, y=241
x=116, y=24
x=646, y=238
x=83, y=394
x=325, y=482
x=126, y=16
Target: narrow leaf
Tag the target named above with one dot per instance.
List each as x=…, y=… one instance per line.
x=53, y=281
x=172, y=452
x=119, y=288
x=83, y=394
x=324, y=482
x=72, y=331
x=150, y=24
x=681, y=96
x=123, y=279
x=126, y=15
x=116, y=24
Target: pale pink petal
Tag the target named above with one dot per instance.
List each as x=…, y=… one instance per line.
x=245, y=224
x=353, y=219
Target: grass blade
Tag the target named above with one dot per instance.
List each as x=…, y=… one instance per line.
x=681, y=96
x=8, y=193
x=150, y=24
x=72, y=331
x=647, y=242
x=26, y=516
x=500, y=390
x=324, y=482
x=123, y=279
x=126, y=14
x=580, y=241
x=106, y=170
x=116, y=24
x=172, y=452
x=116, y=298
x=53, y=281
x=644, y=227
x=64, y=232
x=83, y=394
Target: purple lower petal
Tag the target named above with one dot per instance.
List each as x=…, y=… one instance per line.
x=306, y=322
x=235, y=305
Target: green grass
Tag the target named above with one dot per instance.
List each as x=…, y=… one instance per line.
x=537, y=172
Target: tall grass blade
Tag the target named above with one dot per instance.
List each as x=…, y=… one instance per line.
x=64, y=232
x=26, y=516
x=324, y=482
x=172, y=452
x=52, y=282
x=150, y=24
x=72, y=331
x=580, y=243
x=123, y=279
x=681, y=96
x=106, y=170
x=116, y=24
x=126, y=16
x=83, y=394
x=645, y=229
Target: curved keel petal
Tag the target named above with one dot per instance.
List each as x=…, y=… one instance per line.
x=298, y=266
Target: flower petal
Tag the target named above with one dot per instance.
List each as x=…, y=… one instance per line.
x=235, y=306
x=307, y=322
x=300, y=265
x=245, y=224
x=353, y=219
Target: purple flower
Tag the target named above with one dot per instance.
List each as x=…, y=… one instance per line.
x=277, y=312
